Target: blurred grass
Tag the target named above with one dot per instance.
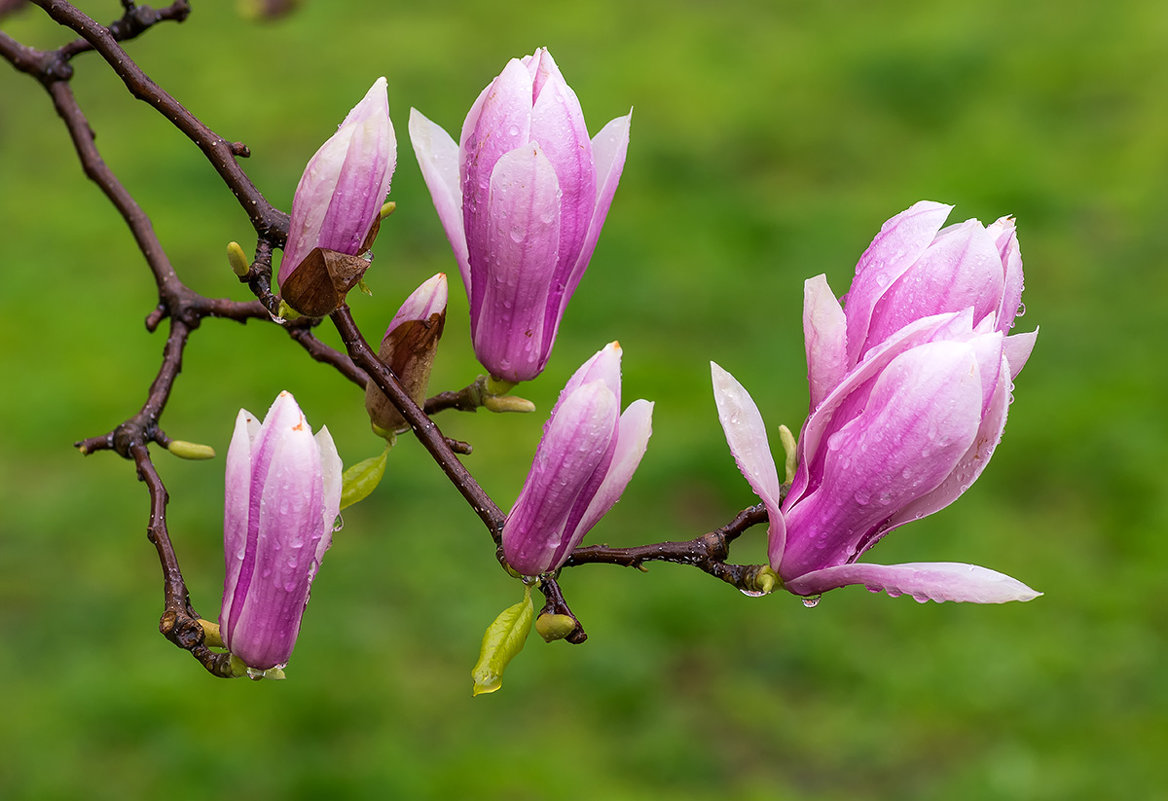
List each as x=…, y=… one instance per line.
x=770, y=140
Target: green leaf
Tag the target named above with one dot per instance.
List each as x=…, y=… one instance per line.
x=362, y=478
x=503, y=639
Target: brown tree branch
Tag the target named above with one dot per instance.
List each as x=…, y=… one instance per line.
x=269, y=222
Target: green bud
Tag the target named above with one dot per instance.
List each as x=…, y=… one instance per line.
x=362, y=478
x=507, y=403
x=286, y=312
x=503, y=639
x=387, y=209
x=789, y=448
x=554, y=627
x=190, y=450
x=240, y=264
x=761, y=580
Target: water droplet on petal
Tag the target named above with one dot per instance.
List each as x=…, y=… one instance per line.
x=811, y=601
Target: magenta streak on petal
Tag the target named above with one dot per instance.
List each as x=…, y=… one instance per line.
x=521, y=247
x=503, y=124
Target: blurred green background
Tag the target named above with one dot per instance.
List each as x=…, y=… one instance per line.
x=770, y=140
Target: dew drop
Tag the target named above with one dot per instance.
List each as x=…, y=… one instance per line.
x=752, y=593
x=811, y=601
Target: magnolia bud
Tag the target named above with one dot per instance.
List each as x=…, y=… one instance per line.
x=408, y=349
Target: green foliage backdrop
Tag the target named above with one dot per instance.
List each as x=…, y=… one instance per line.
x=769, y=142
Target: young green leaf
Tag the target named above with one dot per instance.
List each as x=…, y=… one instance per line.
x=503, y=639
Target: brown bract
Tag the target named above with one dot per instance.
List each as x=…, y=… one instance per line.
x=318, y=286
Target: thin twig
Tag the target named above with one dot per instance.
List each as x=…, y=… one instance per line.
x=423, y=427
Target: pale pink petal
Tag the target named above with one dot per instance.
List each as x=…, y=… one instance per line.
x=438, y=159
x=633, y=432
x=825, y=331
x=746, y=436
x=924, y=581
x=1018, y=348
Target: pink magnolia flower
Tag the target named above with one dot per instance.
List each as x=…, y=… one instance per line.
x=522, y=198
x=340, y=194
x=582, y=465
x=282, y=495
x=901, y=423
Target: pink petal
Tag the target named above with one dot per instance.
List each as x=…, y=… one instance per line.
x=824, y=330
x=937, y=581
x=746, y=436
x=575, y=443
x=899, y=244
x=438, y=159
x=1018, y=348
x=633, y=432
x=521, y=246
x=960, y=269
x=503, y=124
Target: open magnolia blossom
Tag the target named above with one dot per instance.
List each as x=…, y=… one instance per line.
x=903, y=422
x=584, y=461
x=282, y=495
x=522, y=197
